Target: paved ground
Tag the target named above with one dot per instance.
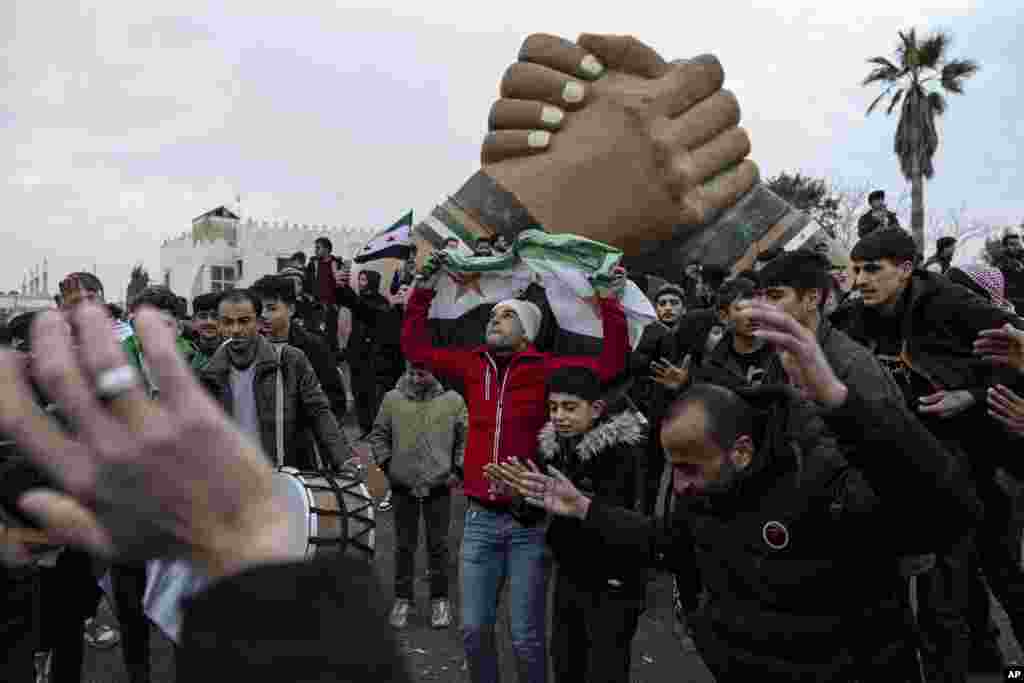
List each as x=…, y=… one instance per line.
x=436, y=656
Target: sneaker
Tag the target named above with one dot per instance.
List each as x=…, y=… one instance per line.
x=44, y=665
x=100, y=636
x=441, y=613
x=400, y=612
x=385, y=504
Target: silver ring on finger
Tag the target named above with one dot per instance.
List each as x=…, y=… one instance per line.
x=116, y=381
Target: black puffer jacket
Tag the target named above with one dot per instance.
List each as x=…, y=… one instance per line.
x=324, y=364
x=800, y=559
x=940, y=321
x=607, y=464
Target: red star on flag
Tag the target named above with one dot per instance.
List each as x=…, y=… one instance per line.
x=595, y=302
x=466, y=283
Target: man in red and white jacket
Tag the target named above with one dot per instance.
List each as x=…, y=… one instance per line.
x=504, y=382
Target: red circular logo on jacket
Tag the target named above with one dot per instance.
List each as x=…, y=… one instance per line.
x=776, y=535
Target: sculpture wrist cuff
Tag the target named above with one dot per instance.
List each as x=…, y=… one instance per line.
x=759, y=221
x=443, y=224
x=494, y=207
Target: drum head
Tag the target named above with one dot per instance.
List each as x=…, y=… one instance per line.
x=289, y=489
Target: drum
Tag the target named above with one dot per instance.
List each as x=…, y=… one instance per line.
x=333, y=512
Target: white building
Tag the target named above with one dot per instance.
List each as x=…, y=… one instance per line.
x=223, y=252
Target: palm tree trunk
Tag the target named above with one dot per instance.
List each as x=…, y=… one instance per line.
x=917, y=204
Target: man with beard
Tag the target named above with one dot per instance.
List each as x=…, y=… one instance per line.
x=374, y=355
x=246, y=374
x=204, y=321
x=504, y=384
x=795, y=542
x=668, y=305
x=922, y=328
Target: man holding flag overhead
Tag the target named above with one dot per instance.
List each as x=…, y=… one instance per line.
x=504, y=382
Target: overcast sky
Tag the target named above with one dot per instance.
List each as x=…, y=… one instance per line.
x=123, y=120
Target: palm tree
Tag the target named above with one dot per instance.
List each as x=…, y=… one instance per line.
x=920, y=78
x=137, y=281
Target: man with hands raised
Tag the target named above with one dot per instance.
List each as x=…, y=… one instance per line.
x=504, y=381
x=782, y=518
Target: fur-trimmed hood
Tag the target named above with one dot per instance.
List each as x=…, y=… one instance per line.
x=628, y=428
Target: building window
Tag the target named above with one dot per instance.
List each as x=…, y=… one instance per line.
x=167, y=279
x=222, y=278
x=239, y=270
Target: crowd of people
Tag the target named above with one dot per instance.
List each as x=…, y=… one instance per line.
x=819, y=450
x=709, y=451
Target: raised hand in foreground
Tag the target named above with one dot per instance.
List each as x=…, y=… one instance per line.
x=1006, y=407
x=170, y=477
x=1002, y=346
x=801, y=355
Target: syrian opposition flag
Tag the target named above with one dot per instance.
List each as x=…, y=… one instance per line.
x=395, y=242
x=552, y=271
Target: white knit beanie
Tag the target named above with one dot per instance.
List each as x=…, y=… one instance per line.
x=529, y=315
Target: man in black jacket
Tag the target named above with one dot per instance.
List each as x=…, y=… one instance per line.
x=277, y=325
x=243, y=376
x=669, y=307
x=877, y=217
x=922, y=327
x=798, y=283
x=597, y=604
x=374, y=349
x=782, y=519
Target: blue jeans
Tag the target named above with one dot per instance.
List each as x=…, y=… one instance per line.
x=496, y=548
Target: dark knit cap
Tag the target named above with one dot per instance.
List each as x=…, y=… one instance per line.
x=800, y=269
x=669, y=289
x=891, y=243
x=205, y=302
x=877, y=194
x=575, y=381
x=944, y=242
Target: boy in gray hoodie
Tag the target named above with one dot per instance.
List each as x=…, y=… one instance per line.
x=418, y=439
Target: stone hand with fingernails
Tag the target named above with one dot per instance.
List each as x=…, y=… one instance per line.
x=642, y=145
